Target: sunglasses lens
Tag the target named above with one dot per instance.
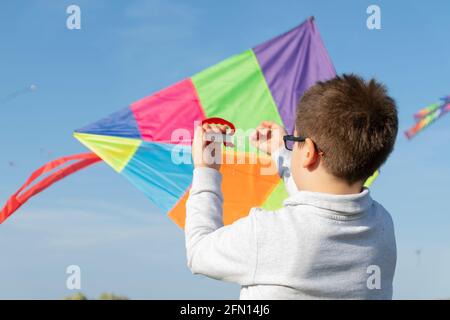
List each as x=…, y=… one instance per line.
x=289, y=144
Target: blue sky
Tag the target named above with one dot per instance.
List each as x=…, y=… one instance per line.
x=129, y=49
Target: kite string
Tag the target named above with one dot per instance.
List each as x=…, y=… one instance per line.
x=18, y=199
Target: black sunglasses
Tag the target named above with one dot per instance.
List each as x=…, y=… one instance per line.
x=290, y=140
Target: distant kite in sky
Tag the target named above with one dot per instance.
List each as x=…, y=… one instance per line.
x=428, y=115
x=15, y=94
x=418, y=252
x=262, y=83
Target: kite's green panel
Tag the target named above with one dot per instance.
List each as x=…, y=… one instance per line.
x=246, y=104
x=276, y=198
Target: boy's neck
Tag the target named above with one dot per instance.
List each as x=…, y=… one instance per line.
x=338, y=190
x=332, y=185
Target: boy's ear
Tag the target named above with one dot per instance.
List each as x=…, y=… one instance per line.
x=310, y=153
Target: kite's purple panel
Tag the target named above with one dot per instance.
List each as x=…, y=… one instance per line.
x=119, y=124
x=292, y=63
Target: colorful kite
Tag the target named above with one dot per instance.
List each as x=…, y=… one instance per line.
x=263, y=83
x=428, y=115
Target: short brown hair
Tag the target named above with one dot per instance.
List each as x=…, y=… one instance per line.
x=352, y=121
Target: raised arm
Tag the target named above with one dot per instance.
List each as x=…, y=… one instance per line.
x=220, y=252
x=226, y=253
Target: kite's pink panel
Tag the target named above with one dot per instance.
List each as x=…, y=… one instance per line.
x=176, y=107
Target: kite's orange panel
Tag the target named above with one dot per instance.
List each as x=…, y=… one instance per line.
x=178, y=213
x=243, y=187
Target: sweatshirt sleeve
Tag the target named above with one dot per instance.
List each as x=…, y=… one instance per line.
x=221, y=252
x=282, y=158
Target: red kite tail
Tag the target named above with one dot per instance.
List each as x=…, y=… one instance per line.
x=83, y=160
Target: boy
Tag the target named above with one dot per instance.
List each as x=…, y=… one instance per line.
x=330, y=240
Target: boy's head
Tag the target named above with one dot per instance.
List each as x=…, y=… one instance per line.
x=352, y=122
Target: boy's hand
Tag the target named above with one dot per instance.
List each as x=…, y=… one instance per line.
x=206, y=153
x=268, y=137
